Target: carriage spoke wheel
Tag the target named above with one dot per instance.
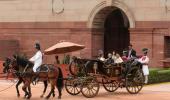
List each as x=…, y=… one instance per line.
x=134, y=80
x=90, y=88
x=72, y=87
x=110, y=85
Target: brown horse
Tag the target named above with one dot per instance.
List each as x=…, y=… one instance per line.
x=7, y=69
x=48, y=72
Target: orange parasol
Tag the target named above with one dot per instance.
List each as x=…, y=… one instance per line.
x=63, y=47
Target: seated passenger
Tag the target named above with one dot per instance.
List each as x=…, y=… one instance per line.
x=114, y=55
x=109, y=60
x=101, y=56
x=118, y=59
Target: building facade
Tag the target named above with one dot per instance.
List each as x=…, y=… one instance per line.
x=98, y=24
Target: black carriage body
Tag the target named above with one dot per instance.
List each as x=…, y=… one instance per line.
x=128, y=74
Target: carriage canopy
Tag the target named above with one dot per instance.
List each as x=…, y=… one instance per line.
x=63, y=47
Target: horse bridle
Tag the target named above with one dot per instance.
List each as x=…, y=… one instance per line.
x=12, y=67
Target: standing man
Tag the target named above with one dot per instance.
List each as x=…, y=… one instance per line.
x=144, y=60
x=57, y=61
x=131, y=52
x=37, y=58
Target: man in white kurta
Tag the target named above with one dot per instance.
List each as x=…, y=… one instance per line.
x=145, y=60
x=37, y=58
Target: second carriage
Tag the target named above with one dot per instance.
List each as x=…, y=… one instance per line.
x=87, y=75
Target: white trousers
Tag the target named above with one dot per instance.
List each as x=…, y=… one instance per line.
x=36, y=65
x=145, y=70
x=146, y=79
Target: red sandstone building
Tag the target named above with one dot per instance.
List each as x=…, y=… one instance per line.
x=97, y=24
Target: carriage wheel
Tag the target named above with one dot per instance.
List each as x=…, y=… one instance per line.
x=110, y=85
x=90, y=88
x=134, y=80
x=72, y=87
x=73, y=68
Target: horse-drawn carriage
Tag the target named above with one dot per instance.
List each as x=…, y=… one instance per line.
x=87, y=75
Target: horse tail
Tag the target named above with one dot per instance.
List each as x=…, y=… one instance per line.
x=60, y=82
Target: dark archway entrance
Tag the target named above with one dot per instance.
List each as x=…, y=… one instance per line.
x=110, y=31
x=116, y=33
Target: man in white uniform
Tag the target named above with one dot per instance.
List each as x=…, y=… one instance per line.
x=145, y=60
x=37, y=58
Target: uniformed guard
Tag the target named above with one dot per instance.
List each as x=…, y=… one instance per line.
x=145, y=60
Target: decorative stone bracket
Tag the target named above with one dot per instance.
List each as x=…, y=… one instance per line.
x=57, y=6
x=167, y=5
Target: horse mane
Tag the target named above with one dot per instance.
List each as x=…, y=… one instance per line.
x=23, y=61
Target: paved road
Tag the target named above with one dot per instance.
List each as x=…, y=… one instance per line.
x=150, y=92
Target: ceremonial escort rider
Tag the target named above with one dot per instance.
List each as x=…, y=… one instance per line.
x=37, y=59
x=145, y=60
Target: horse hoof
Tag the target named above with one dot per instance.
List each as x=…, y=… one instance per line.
x=41, y=96
x=47, y=98
x=59, y=97
x=53, y=95
x=18, y=95
x=28, y=97
x=25, y=95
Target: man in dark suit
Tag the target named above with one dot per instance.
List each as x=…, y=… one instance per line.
x=131, y=52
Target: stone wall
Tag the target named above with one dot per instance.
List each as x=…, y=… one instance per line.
x=151, y=35
x=79, y=10
x=8, y=48
x=47, y=34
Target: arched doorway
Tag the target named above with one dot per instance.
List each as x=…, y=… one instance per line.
x=110, y=31
x=116, y=33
